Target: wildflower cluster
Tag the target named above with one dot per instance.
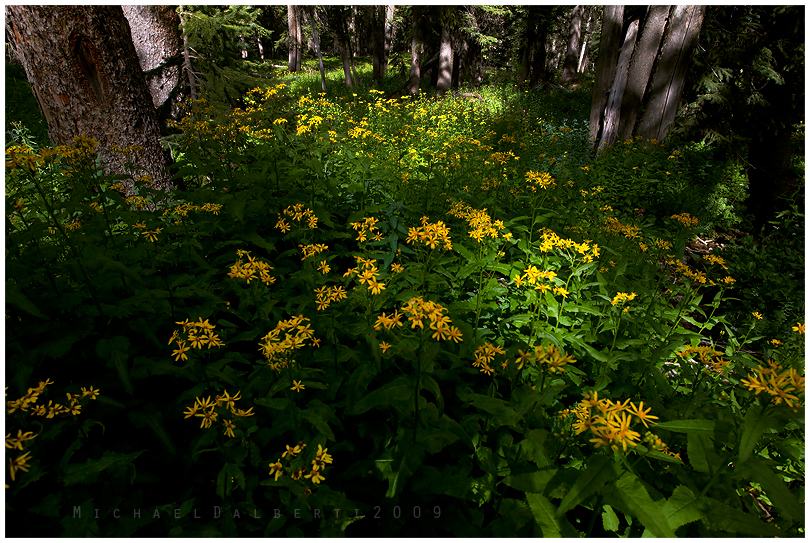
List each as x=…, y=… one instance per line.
x=781, y=384
x=553, y=357
x=479, y=220
x=248, y=269
x=28, y=404
x=297, y=468
x=278, y=350
x=367, y=229
x=712, y=259
x=695, y=275
x=325, y=296
x=194, y=335
x=485, y=354
x=532, y=275
x=430, y=234
x=205, y=409
x=312, y=250
x=713, y=360
x=417, y=310
x=183, y=209
x=610, y=422
x=539, y=180
x=616, y=227
x=296, y=213
x=586, y=250
x=621, y=298
x=685, y=219
x=367, y=273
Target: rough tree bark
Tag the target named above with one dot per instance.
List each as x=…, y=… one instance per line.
x=610, y=126
x=188, y=69
x=572, y=54
x=416, y=46
x=445, y=55
x=609, y=47
x=680, y=41
x=84, y=71
x=159, y=45
x=389, y=35
x=296, y=45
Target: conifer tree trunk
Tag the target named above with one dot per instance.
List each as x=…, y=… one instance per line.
x=85, y=74
x=680, y=41
x=609, y=47
x=317, y=40
x=295, y=39
x=416, y=46
x=572, y=54
x=445, y=56
x=159, y=45
x=389, y=35
x=191, y=77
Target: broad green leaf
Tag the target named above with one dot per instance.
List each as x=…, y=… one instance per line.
x=600, y=470
x=754, y=426
x=610, y=522
x=681, y=508
x=629, y=495
x=698, y=427
x=399, y=389
x=115, y=352
x=723, y=518
x=19, y=300
x=318, y=422
x=697, y=449
x=775, y=488
x=545, y=515
x=87, y=472
x=535, y=481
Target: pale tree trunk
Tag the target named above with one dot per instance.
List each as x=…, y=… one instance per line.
x=641, y=67
x=680, y=41
x=259, y=44
x=188, y=69
x=159, y=45
x=295, y=39
x=572, y=54
x=445, y=56
x=389, y=35
x=416, y=46
x=317, y=40
x=611, y=120
x=609, y=47
x=84, y=71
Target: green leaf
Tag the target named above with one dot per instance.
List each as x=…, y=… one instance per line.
x=115, y=352
x=629, y=495
x=681, y=508
x=319, y=423
x=723, y=518
x=600, y=470
x=545, y=515
x=399, y=389
x=775, y=488
x=87, y=472
x=20, y=301
x=698, y=449
x=610, y=522
x=697, y=427
x=754, y=426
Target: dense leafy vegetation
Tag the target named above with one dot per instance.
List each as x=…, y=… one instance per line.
x=418, y=317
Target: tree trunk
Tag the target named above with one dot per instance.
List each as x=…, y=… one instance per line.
x=317, y=40
x=572, y=55
x=531, y=36
x=445, y=56
x=609, y=47
x=191, y=77
x=84, y=71
x=539, y=69
x=295, y=39
x=416, y=45
x=159, y=45
x=680, y=41
x=641, y=66
x=610, y=126
x=583, y=53
x=389, y=35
